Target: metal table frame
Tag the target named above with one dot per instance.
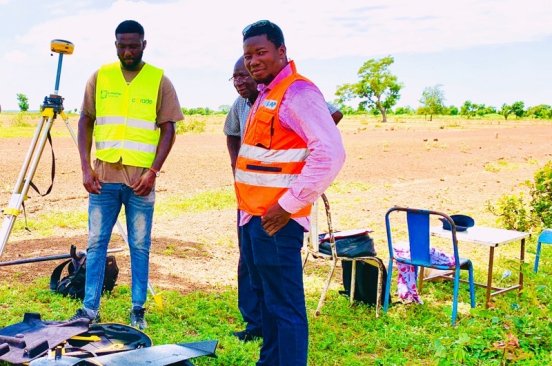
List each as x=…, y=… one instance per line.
x=491, y=237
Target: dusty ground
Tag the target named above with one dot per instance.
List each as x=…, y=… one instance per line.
x=437, y=165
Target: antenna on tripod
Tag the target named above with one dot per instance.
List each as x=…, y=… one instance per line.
x=53, y=105
x=62, y=47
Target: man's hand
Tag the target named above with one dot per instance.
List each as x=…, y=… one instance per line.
x=90, y=181
x=144, y=185
x=275, y=219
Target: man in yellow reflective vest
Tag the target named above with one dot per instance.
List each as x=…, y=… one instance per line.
x=129, y=110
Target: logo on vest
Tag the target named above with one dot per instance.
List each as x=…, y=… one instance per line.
x=270, y=104
x=141, y=100
x=109, y=94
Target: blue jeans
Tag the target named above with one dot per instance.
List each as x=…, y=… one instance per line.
x=248, y=301
x=274, y=263
x=103, y=210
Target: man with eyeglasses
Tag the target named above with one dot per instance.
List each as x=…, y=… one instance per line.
x=248, y=302
x=291, y=151
x=129, y=110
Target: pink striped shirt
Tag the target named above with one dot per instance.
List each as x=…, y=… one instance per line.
x=304, y=111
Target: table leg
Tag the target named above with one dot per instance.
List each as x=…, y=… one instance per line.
x=353, y=282
x=521, y=261
x=421, y=279
x=489, y=278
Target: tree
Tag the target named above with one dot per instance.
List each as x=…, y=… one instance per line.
x=506, y=110
x=468, y=109
x=224, y=108
x=452, y=110
x=539, y=111
x=377, y=87
x=23, y=102
x=404, y=110
x=518, y=108
x=433, y=99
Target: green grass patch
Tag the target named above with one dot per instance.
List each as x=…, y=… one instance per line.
x=500, y=165
x=341, y=335
x=192, y=124
x=341, y=187
x=217, y=199
x=48, y=223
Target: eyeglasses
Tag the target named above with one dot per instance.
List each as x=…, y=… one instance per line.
x=239, y=78
x=258, y=24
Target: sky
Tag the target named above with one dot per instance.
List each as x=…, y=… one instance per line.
x=485, y=51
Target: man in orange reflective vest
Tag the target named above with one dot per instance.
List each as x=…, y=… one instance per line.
x=290, y=153
x=248, y=302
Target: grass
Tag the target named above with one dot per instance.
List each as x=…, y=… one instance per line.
x=515, y=331
x=23, y=124
x=193, y=124
x=50, y=223
x=499, y=165
x=341, y=335
x=217, y=199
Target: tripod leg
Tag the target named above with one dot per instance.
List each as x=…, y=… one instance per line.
x=25, y=176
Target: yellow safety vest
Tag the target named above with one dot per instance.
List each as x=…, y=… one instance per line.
x=125, y=115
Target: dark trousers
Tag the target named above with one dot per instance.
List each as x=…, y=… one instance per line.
x=249, y=302
x=274, y=263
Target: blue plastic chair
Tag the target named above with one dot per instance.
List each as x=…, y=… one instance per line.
x=418, y=223
x=546, y=238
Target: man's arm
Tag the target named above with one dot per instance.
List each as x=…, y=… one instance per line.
x=85, y=132
x=304, y=105
x=232, y=130
x=335, y=112
x=233, y=144
x=337, y=116
x=166, y=140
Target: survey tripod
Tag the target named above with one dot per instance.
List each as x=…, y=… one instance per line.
x=51, y=108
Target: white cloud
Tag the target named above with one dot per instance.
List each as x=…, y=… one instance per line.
x=189, y=34
x=16, y=57
x=191, y=38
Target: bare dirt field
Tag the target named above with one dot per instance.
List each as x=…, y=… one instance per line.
x=454, y=167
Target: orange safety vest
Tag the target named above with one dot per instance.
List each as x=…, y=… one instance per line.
x=271, y=157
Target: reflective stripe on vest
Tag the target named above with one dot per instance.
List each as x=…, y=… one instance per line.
x=126, y=115
x=129, y=122
x=271, y=157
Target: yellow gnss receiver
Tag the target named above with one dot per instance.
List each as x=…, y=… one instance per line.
x=62, y=46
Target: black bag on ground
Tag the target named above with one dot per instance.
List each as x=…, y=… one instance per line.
x=350, y=244
x=366, y=282
x=72, y=285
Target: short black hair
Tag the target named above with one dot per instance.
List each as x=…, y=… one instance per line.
x=129, y=26
x=273, y=32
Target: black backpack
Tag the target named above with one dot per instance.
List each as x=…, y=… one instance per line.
x=366, y=281
x=72, y=285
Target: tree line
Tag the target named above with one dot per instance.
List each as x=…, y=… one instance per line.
x=378, y=91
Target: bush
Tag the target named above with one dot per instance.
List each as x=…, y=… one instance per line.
x=515, y=212
x=541, y=195
x=21, y=120
x=190, y=125
x=404, y=110
x=542, y=111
